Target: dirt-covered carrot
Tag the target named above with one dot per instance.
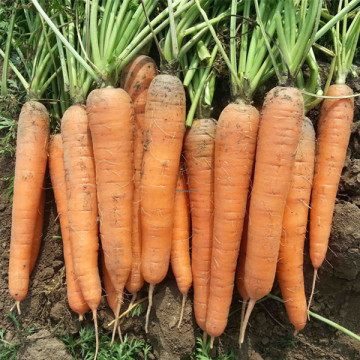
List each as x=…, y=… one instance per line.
x=111, y=121
x=57, y=175
x=136, y=79
x=290, y=263
x=180, y=246
x=31, y=159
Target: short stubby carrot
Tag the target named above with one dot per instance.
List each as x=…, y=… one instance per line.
x=291, y=253
x=334, y=131
x=82, y=203
x=199, y=150
x=165, y=120
x=279, y=134
x=180, y=246
x=31, y=159
x=235, y=145
x=136, y=79
x=76, y=300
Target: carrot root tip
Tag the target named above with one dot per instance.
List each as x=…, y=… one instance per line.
x=296, y=332
x=312, y=292
x=18, y=307
x=96, y=334
x=212, y=342
x=151, y=291
x=204, y=339
x=118, y=307
x=81, y=317
x=246, y=318
x=120, y=335
x=243, y=309
x=182, y=310
x=132, y=301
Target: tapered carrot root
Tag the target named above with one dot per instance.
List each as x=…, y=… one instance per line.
x=111, y=121
x=333, y=139
x=82, y=204
x=235, y=144
x=199, y=148
x=109, y=287
x=180, y=249
x=57, y=175
x=31, y=158
x=290, y=263
x=279, y=134
x=165, y=122
x=38, y=232
x=136, y=80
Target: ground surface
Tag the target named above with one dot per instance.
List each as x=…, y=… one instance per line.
x=45, y=314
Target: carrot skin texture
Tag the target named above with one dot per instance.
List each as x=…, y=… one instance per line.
x=165, y=121
x=38, y=232
x=31, y=158
x=279, y=134
x=110, y=291
x=333, y=138
x=137, y=77
x=111, y=120
x=82, y=203
x=180, y=248
x=235, y=145
x=76, y=300
x=291, y=253
x=199, y=150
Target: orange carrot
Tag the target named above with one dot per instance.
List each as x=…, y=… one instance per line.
x=180, y=247
x=279, y=133
x=111, y=121
x=199, y=149
x=82, y=204
x=290, y=263
x=333, y=139
x=137, y=77
x=165, y=121
x=57, y=174
x=111, y=296
x=235, y=144
x=31, y=158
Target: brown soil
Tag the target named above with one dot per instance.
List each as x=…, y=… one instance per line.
x=270, y=335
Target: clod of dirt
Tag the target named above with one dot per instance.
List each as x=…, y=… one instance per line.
x=43, y=346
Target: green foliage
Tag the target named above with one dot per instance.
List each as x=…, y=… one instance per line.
x=8, y=351
x=83, y=347
x=137, y=310
x=203, y=352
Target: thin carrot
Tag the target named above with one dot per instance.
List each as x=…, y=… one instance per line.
x=31, y=158
x=332, y=142
x=199, y=149
x=279, y=133
x=82, y=204
x=235, y=145
x=137, y=77
x=290, y=263
x=110, y=291
x=165, y=119
x=180, y=246
x=57, y=175
x=111, y=121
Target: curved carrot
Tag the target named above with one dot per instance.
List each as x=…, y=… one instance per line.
x=235, y=145
x=31, y=158
x=291, y=253
x=180, y=247
x=165, y=120
x=333, y=139
x=111, y=121
x=137, y=77
x=199, y=149
x=82, y=204
x=279, y=133
x=57, y=175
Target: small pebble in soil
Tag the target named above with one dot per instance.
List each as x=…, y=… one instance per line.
x=265, y=340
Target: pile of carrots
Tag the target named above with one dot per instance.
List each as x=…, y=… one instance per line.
x=224, y=202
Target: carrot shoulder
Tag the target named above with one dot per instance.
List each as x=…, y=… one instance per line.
x=31, y=158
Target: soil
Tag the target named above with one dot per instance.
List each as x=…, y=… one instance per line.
x=270, y=335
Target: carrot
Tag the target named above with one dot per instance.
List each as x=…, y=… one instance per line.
x=290, y=263
x=111, y=296
x=165, y=119
x=279, y=133
x=180, y=247
x=235, y=145
x=38, y=231
x=199, y=148
x=82, y=204
x=31, y=158
x=111, y=121
x=57, y=175
x=137, y=77
x=333, y=139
